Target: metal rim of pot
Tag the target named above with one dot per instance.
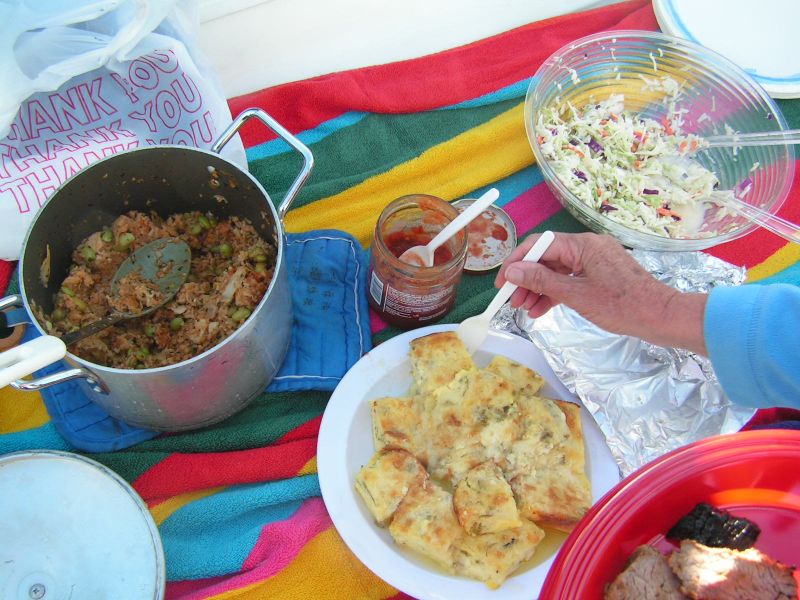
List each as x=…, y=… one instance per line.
x=48, y=352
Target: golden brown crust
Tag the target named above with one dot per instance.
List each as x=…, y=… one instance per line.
x=526, y=382
x=386, y=479
x=425, y=522
x=468, y=421
x=492, y=557
x=484, y=502
x=435, y=360
x=396, y=423
x=556, y=491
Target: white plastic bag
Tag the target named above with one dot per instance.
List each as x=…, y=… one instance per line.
x=80, y=80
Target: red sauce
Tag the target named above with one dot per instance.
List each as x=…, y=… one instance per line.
x=408, y=297
x=399, y=241
x=482, y=228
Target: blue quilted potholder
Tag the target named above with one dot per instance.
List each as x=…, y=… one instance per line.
x=327, y=277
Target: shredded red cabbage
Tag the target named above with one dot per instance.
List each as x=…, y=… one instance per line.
x=650, y=192
x=745, y=185
x=595, y=145
x=580, y=175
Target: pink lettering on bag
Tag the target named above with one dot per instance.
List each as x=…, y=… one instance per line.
x=19, y=161
x=46, y=182
x=125, y=86
x=68, y=110
x=17, y=187
x=35, y=119
x=143, y=74
x=185, y=90
x=146, y=116
x=164, y=60
x=203, y=130
x=70, y=166
x=93, y=101
x=168, y=109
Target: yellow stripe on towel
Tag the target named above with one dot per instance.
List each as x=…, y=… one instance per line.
x=336, y=573
x=782, y=259
x=477, y=157
x=309, y=468
x=20, y=411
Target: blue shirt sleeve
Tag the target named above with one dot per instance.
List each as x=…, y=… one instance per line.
x=752, y=334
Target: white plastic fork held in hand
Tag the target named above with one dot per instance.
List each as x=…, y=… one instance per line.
x=474, y=330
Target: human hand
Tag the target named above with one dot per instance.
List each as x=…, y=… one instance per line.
x=594, y=275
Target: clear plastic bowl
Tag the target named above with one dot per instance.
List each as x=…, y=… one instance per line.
x=715, y=92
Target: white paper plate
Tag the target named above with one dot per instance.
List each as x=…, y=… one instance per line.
x=345, y=445
x=760, y=36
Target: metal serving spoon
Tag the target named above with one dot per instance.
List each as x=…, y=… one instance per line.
x=164, y=262
x=474, y=330
x=422, y=256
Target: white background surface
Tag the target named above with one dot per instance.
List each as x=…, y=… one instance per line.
x=254, y=44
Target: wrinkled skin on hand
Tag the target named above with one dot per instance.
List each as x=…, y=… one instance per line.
x=595, y=276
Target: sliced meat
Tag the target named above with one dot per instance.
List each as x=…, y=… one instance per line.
x=647, y=576
x=724, y=574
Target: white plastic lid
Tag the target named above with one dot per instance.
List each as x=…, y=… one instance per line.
x=491, y=238
x=72, y=528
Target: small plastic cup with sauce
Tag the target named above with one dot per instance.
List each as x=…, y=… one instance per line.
x=406, y=295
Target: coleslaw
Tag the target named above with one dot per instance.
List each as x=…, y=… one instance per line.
x=633, y=169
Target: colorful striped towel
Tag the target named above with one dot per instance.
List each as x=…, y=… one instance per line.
x=238, y=504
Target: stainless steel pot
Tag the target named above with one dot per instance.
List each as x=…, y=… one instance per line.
x=165, y=179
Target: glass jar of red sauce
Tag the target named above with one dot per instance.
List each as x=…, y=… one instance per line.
x=407, y=295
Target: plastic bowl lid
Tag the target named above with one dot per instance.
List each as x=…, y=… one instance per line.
x=71, y=528
x=491, y=238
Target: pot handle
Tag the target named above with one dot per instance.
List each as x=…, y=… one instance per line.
x=31, y=356
x=308, y=159
x=36, y=354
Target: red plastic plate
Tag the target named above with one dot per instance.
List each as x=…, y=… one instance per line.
x=752, y=474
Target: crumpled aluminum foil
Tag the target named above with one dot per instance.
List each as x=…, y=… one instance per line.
x=646, y=399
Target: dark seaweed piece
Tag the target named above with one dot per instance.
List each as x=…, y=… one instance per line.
x=715, y=528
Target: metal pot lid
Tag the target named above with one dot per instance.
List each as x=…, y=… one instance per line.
x=72, y=528
x=491, y=238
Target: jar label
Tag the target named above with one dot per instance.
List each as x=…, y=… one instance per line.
x=408, y=305
x=376, y=288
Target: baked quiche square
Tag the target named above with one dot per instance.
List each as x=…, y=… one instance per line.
x=492, y=557
x=484, y=502
x=542, y=426
x=386, y=479
x=396, y=423
x=468, y=421
x=435, y=359
x=526, y=382
x=471, y=400
x=425, y=523
x=555, y=492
